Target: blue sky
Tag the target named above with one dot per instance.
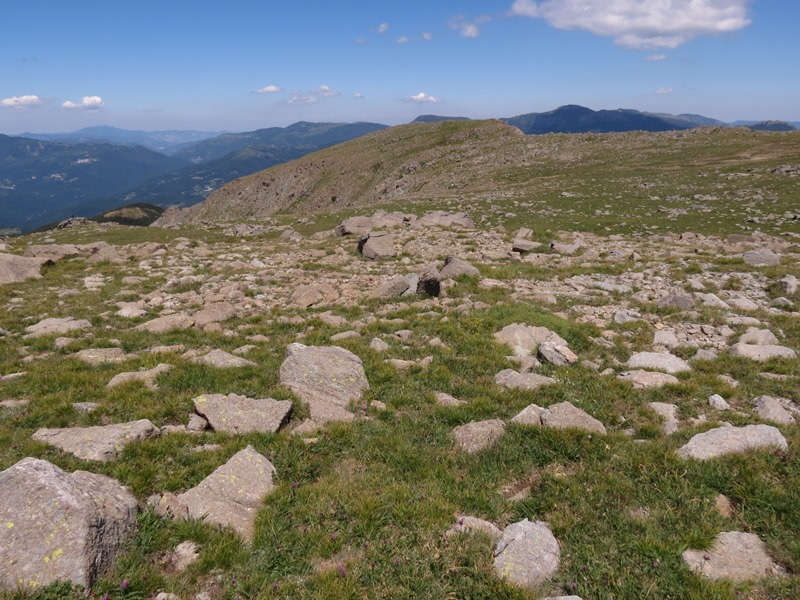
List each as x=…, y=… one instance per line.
x=247, y=64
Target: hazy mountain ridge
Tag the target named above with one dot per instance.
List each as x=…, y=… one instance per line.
x=43, y=181
x=165, y=142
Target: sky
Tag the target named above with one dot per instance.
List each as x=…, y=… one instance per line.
x=247, y=64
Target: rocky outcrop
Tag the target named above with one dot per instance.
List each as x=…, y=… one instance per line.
x=16, y=269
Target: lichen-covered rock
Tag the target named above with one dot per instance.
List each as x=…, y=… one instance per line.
x=101, y=443
x=528, y=554
x=60, y=526
x=566, y=416
x=327, y=378
x=729, y=440
x=239, y=414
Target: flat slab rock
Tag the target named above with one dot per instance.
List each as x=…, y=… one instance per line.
x=60, y=526
x=475, y=436
x=239, y=414
x=56, y=326
x=101, y=443
x=167, y=323
x=648, y=379
x=658, y=361
x=147, y=377
x=735, y=556
x=730, y=440
x=103, y=356
x=511, y=379
x=774, y=409
x=223, y=360
x=528, y=554
x=233, y=493
x=762, y=352
x=524, y=340
x=327, y=378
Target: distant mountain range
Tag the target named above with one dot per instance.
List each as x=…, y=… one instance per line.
x=48, y=177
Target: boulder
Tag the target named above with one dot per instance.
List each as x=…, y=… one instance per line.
x=467, y=524
x=59, y=526
x=557, y=354
x=16, y=269
x=729, y=440
x=455, y=267
x=774, y=409
x=429, y=282
x=475, y=436
x=56, y=326
x=566, y=416
x=648, y=379
x=147, y=377
x=233, y=493
x=239, y=414
x=215, y=312
x=327, y=378
x=524, y=340
x=103, y=356
x=375, y=246
x=101, y=443
x=167, y=323
x=658, y=361
x=530, y=415
x=762, y=353
x=222, y=360
x=315, y=294
x=521, y=381
x=524, y=246
x=759, y=337
x=762, y=257
x=527, y=554
x=735, y=556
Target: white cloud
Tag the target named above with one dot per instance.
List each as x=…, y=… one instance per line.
x=427, y=36
x=655, y=57
x=303, y=99
x=87, y=103
x=424, y=98
x=468, y=28
x=403, y=40
x=361, y=41
x=641, y=24
x=269, y=89
x=325, y=91
x=664, y=91
x=21, y=101
x=383, y=28
x=358, y=95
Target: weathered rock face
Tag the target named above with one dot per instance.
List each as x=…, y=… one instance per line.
x=735, y=556
x=60, y=526
x=16, y=269
x=239, y=414
x=528, y=554
x=729, y=440
x=102, y=443
x=478, y=435
x=375, y=246
x=232, y=494
x=328, y=378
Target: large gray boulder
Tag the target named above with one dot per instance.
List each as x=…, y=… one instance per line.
x=60, y=526
x=233, y=493
x=729, y=440
x=761, y=257
x=239, y=414
x=528, y=554
x=327, y=378
x=375, y=246
x=56, y=326
x=455, y=267
x=101, y=443
x=735, y=556
x=762, y=352
x=16, y=269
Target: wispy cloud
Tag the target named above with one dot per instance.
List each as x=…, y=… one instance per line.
x=361, y=41
x=21, y=102
x=326, y=91
x=269, y=89
x=403, y=40
x=655, y=57
x=358, y=95
x=299, y=99
x=383, y=28
x=427, y=36
x=86, y=103
x=664, y=91
x=423, y=98
x=641, y=24
x=468, y=28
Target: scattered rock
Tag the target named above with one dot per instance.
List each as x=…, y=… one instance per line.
x=185, y=554
x=223, y=360
x=447, y=400
x=101, y=443
x=59, y=526
x=215, y=312
x=378, y=345
x=478, y=435
x=669, y=414
x=658, y=361
x=167, y=323
x=376, y=246
x=530, y=415
x=724, y=506
x=16, y=269
x=528, y=554
x=762, y=353
x=773, y=409
x=557, y=354
x=327, y=378
x=566, y=416
x=315, y=294
x=648, y=379
x=761, y=257
x=147, y=377
x=56, y=326
x=524, y=340
x=456, y=267
x=718, y=402
x=522, y=381
x=729, y=440
x=239, y=414
x=466, y=524
x=735, y=556
x=677, y=300
x=103, y=356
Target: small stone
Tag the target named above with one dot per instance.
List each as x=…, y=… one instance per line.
x=718, y=402
x=456, y=267
x=648, y=379
x=148, y=377
x=557, y=354
x=530, y=415
x=103, y=356
x=735, y=556
x=466, y=524
x=378, y=345
x=527, y=555
x=511, y=379
x=239, y=414
x=167, y=323
x=223, y=360
x=669, y=414
x=447, y=400
x=724, y=506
